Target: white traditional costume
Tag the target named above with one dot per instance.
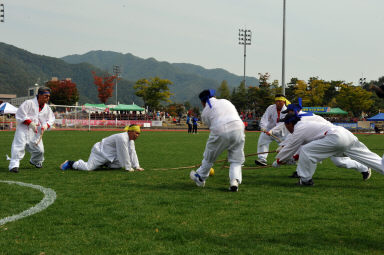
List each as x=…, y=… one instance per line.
x=322, y=141
x=226, y=133
x=30, y=115
x=115, y=151
x=268, y=121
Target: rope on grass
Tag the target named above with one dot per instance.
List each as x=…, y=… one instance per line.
x=218, y=161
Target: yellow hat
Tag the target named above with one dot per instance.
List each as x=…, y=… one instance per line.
x=280, y=97
x=134, y=128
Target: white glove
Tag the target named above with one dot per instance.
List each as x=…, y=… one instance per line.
x=33, y=126
x=275, y=164
x=279, y=148
x=139, y=169
x=44, y=127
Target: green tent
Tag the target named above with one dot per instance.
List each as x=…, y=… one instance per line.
x=334, y=111
x=98, y=106
x=127, y=107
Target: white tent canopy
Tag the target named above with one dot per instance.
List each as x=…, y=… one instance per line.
x=7, y=108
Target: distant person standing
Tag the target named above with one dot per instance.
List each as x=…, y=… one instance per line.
x=194, y=124
x=33, y=118
x=189, y=123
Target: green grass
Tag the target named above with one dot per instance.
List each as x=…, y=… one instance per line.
x=163, y=212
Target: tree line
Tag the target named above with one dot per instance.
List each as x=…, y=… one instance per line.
x=315, y=92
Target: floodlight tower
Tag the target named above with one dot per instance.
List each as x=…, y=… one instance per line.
x=245, y=39
x=1, y=12
x=362, y=81
x=116, y=71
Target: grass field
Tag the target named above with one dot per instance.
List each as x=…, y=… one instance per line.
x=163, y=212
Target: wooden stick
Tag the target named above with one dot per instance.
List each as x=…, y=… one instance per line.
x=218, y=161
x=273, y=136
x=177, y=168
x=254, y=154
x=41, y=136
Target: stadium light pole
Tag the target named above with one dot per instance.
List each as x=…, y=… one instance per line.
x=1, y=12
x=283, y=53
x=362, y=81
x=245, y=39
x=116, y=71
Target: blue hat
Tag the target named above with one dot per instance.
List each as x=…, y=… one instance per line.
x=291, y=118
x=292, y=107
x=205, y=95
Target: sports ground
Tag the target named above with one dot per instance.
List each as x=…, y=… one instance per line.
x=164, y=212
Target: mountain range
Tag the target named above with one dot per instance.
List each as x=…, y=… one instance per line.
x=20, y=69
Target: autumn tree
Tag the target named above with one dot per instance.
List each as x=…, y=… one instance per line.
x=317, y=92
x=263, y=80
x=153, y=91
x=63, y=92
x=175, y=109
x=354, y=99
x=104, y=86
x=223, y=90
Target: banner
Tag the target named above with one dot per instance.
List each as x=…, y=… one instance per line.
x=86, y=122
x=316, y=109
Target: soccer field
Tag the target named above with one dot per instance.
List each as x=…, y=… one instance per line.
x=164, y=212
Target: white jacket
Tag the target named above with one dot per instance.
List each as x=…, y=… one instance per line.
x=119, y=147
x=271, y=117
x=304, y=132
x=222, y=117
x=29, y=109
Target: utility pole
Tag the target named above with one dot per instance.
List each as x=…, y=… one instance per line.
x=245, y=39
x=1, y=12
x=116, y=71
x=283, y=60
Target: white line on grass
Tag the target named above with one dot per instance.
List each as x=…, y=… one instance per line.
x=49, y=198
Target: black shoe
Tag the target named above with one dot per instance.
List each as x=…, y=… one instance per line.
x=294, y=175
x=260, y=163
x=366, y=175
x=303, y=183
x=14, y=170
x=37, y=165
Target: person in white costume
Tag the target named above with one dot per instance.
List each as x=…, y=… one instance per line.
x=115, y=151
x=226, y=133
x=268, y=121
x=342, y=162
x=33, y=117
x=322, y=141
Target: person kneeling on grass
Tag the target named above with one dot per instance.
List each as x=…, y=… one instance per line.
x=115, y=151
x=226, y=133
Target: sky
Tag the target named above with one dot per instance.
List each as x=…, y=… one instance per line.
x=329, y=39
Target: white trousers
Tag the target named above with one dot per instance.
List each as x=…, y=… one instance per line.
x=341, y=142
x=25, y=139
x=346, y=162
x=95, y=160
x=263, y=146
x=233, y=142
